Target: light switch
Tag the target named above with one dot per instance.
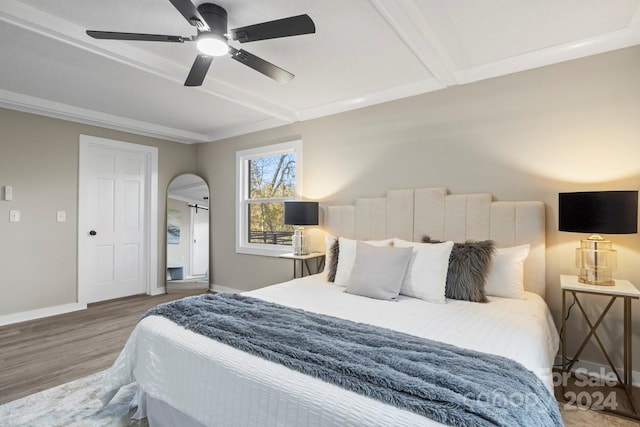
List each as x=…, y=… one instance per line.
x=61, y=216
x=8, y=192
x=14, y=216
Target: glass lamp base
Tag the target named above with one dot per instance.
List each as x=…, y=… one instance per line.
x=596, y=261
x=596, y=278
x=300, y=242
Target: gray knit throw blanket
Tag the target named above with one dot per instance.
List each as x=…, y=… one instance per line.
x=445, y=383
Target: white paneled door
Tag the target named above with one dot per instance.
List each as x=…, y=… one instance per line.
x=113, y=241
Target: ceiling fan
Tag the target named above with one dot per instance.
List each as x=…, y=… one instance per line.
x=213, y=38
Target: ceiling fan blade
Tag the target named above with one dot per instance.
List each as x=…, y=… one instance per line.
x=198, y=70
x=190, y=13
x=112, y=35
x=286, y=27
x=261, y=66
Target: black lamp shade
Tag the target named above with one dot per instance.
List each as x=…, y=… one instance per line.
x=606, y=212
x=301, y=213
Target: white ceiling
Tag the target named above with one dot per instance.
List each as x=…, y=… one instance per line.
x=364, y=52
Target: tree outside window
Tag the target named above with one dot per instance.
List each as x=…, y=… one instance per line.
x=271, y=180
x=266, y=177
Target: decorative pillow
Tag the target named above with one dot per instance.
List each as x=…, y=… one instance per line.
x=427, y=271
x=331, y=257
x=378, y=271
x=347, y=256
x=469, y=265
x=506, y=276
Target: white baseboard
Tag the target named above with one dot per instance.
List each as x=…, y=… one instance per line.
x=25, y=316
x=224, y=289
x=158, y=291
x=595, y=369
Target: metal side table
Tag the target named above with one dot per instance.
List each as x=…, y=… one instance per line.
x=622, y=289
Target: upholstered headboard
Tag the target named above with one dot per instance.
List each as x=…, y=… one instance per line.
x=412, y=214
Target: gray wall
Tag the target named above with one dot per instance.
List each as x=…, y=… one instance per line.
x=527, y=136
x=39, y=158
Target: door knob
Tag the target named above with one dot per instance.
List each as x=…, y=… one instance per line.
x=92, y=233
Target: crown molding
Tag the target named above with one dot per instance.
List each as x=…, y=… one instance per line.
x=404, y=17
x=58, y=110
x=553, y=55
x=248, y=128
x=373, y=98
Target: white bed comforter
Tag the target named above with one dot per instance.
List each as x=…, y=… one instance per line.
x=218, y=385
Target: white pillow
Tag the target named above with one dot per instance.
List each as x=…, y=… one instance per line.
x=426, y=276
x=506, y=275
x=347, y=256
x=378, y=271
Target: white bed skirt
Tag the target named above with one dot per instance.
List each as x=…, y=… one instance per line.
x=159, y=413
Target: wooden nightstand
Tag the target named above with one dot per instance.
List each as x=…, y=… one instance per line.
x=304, y=262
x=622, y=289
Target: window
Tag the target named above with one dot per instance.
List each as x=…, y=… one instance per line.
x=266, y=178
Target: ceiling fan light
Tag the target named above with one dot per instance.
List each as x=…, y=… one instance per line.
x=212, y=44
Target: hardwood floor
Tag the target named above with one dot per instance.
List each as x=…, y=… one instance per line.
x=44, y=353
x=615, y=410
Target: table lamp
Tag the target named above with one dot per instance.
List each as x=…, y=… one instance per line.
x=607, y=212
x=300, y=214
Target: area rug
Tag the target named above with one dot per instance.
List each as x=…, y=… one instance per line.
x=71, y=404
x=76, y=404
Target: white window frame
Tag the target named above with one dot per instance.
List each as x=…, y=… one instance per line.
x=242, y=197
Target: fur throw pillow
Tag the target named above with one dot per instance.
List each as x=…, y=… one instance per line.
x=333, y=263
x=469, y=265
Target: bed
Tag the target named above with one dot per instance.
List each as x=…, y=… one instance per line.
x=185, y=378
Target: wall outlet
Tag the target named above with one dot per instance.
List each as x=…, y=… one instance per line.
x=61, y=216
x=14, y=216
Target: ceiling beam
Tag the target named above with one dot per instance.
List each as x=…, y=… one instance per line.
x=407, y=20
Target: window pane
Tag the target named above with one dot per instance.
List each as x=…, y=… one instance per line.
x=272, y=176
x=266, y=224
